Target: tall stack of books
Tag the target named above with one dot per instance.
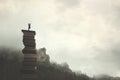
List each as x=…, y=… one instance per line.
x=29, y=69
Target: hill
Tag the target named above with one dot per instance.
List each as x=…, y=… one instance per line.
x=11, y=64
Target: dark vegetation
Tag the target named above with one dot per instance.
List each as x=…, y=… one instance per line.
x=11, y=63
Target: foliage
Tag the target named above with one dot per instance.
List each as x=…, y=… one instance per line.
x=11, y=64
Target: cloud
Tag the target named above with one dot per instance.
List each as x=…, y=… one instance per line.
x=69, y=3
x=84, y=33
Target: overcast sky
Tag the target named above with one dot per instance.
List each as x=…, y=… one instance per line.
x=83, y=33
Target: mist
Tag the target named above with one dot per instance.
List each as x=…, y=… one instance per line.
x=83, y=33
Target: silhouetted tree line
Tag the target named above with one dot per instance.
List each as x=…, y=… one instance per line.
x=11, y=64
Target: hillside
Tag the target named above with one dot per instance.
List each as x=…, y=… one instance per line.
x=11, y=63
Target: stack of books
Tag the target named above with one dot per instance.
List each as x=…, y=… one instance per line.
x=29, y=69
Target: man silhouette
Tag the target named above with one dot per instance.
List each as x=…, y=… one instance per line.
x=29, y=26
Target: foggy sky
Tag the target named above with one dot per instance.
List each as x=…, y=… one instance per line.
x=83, y=33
